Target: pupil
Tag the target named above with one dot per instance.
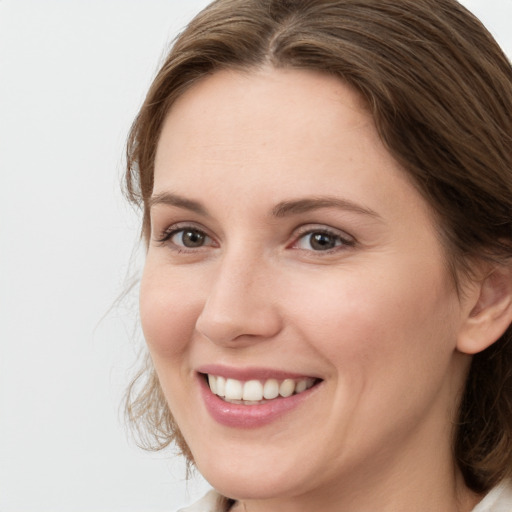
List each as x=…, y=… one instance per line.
x=193, y=239
x=322, y=241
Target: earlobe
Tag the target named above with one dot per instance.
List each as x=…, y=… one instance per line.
x=490, y=313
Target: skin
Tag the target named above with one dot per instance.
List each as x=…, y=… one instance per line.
x=377, y=317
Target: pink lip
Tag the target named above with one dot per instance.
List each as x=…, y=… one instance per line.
x=249, y=416
x=251, y=373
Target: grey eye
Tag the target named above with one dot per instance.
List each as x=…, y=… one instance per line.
x=190, y=238
x=321, y=241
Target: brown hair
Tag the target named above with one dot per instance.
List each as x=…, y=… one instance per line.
x=440, y=91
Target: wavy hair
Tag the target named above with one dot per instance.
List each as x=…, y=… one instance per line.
x=440, y=91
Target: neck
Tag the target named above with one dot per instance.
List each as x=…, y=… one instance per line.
x=421, y=476
x=452, y=497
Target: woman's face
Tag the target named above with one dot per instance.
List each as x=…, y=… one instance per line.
x=289, y=253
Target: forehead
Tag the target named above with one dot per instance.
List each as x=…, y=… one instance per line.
x=270, y=135
x=278, y=114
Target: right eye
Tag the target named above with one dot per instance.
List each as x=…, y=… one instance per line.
x=190, y=238
x=187, y=237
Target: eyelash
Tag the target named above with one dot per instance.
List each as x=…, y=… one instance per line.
x=167, y=235
x=342, y=241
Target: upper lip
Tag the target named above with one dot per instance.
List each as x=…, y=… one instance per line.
x=250, y=373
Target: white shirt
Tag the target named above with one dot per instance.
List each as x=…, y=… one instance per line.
x=498, y=499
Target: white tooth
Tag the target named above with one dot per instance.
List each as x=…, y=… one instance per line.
x=212, y=381
x=271, y=389
x=310, y=383
x=234, y=389
x=253, y=391
x=287, y=388
x=221, y=386
x=301, y=386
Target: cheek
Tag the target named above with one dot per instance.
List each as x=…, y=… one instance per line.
x=359, y=320
x=168, y=314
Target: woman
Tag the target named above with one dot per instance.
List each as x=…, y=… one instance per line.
x=327, y=294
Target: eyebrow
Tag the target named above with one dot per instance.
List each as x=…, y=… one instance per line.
x=181, y=202
x=295, y=207
x=282, y=209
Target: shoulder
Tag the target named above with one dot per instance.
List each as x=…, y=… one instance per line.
x=499, y=499
x=210, y=502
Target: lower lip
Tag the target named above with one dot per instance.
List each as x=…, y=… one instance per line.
x=249, y=416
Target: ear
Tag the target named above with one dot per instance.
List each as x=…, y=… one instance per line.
x=489, y=311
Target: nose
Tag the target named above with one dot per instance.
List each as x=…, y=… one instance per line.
x=240, y=306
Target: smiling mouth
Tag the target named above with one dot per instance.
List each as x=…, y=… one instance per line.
x=256, y=392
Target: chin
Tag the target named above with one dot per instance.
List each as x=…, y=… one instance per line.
x=255, y=477
x=255, y=484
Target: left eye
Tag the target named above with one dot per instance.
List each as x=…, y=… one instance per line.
x=320, y=241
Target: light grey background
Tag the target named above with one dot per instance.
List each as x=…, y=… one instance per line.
x=72, y=75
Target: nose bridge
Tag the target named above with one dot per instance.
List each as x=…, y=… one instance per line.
x=239, y=304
